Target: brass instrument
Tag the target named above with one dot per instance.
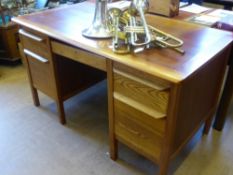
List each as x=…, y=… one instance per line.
x=100, y=26
x=137, y=33
x=159, y=37
x=129, y=29
x=138, y=7
x=120, y=42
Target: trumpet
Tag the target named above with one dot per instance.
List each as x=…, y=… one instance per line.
x=139, y=7
x=137, y=33
x=119, y=41
x=158, y=37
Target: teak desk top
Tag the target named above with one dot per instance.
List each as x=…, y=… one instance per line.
x=200, y=43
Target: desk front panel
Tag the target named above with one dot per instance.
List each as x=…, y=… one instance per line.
x=79, y=55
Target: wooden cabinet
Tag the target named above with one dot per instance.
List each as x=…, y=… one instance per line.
x=8, y=42
x=54, y=75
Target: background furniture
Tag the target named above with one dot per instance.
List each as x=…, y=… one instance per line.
x=8, y=38
x=9, y=31
x=193, y=1
x=8, y=42
x=226, y=3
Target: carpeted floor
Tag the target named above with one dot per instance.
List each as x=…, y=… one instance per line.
x=33, y=142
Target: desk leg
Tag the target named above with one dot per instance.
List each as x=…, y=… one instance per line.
x=61, y=112
x=163, y=168
x=113, y=142
x=35, y=96
x=207, y=125
x=34, y=92
x=225, y=99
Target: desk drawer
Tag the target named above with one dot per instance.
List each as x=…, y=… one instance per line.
x=42, y=75
x=141, y=94
x=35, y=42
x=79, y=55
x=139, y=131
x=158, y=83
x=36, y=48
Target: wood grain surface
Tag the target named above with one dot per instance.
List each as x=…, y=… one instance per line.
x=66, y=24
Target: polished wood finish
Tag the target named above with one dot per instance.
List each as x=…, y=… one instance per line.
x=169, y=64
x=226, y=96
x=158, y=98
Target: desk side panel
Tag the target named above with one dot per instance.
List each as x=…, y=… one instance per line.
x=198, y=98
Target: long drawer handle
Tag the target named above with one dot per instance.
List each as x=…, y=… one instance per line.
x=29, y=35
x=39, y=58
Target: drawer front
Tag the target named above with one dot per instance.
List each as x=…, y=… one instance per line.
x=139, y=131
x=157, y=82
x=79, y=55
x=144, y=95
x=42, y=76
x=35, y=42
x=36, y=48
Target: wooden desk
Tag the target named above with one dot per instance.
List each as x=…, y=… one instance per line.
x=157, y=99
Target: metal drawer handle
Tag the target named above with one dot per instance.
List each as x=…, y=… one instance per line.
x=29, y=35
x=39, y=58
